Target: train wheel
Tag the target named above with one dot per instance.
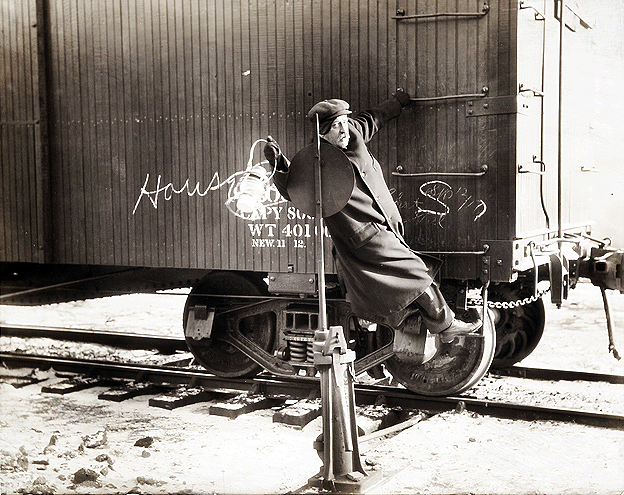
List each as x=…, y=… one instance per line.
x=217, y=356
x=454, y=367
x=519, y=329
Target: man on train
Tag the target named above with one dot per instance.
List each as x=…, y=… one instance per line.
x=383, y=277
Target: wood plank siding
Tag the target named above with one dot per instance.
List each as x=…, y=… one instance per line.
x=154, y=104
x=22, y=229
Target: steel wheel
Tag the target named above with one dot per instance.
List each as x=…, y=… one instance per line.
x=219, y=357
x=454, y=367
x=518, y=330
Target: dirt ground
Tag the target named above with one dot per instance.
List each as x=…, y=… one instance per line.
x=56, y=444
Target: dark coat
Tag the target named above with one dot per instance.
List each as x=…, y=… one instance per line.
x=382, y=275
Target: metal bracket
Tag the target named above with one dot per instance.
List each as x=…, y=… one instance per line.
x=505, y=258
x=293, y=283
x=199, y=322
x=401, y=16
x=525, y=89
x=522, y=170
x=496, y=105
x=538, y=15
x=542, y=170
x=485, y=269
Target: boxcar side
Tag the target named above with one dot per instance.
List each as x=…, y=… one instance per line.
x=125, y=126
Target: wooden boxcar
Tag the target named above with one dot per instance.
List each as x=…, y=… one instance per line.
x=122, y=122
x=125, y=125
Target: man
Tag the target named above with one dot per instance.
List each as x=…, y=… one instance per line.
x=382, y=275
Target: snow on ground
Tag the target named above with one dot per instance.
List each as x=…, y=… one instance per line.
x=45, y=443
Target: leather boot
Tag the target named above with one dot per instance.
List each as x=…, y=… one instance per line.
x=439, y=317
x=436, y=313
x=459, y=328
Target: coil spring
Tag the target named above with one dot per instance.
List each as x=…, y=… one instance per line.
x=298, y=351
x=301, y=351
x=310, y=352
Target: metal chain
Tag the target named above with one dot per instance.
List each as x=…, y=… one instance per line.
x=519, y=302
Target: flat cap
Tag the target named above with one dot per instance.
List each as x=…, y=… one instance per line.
x=327, y=111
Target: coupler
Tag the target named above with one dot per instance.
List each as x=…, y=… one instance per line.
x=342, y=469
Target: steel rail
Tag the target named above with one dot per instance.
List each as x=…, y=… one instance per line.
x=302, y=387
x=170, y=345
x=121, y=340
x=161, y=374
x=503, y=410
x=556, y=375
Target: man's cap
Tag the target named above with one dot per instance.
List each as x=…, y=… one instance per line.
x=327, y=111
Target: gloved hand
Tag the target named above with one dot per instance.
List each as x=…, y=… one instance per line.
x=271, y=150
x=402, y=96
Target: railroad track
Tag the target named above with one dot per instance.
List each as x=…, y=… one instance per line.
x=304, y=387
x=169, y=345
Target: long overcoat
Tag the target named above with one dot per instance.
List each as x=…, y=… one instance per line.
x=382, y=275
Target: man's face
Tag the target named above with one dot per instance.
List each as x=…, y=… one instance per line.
x=338, y=133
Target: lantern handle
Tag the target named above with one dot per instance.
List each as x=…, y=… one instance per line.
x=251, y=154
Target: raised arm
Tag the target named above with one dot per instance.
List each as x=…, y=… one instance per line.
x=369, y=122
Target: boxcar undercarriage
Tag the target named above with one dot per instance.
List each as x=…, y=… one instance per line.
x=238, y=323
x=125, y=128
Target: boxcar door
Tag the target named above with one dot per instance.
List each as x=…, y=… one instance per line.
x=453, y=172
